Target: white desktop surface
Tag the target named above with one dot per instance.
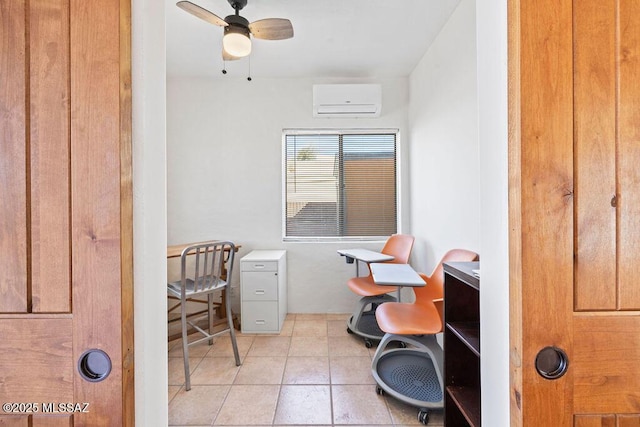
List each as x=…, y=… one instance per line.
x=396, y=275
x=365, y=255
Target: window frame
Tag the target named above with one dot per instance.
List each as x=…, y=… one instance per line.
x=339, y=131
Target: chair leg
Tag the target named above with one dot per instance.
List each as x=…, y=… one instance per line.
x=232, y=331
x=185, y=345
x=210, y=315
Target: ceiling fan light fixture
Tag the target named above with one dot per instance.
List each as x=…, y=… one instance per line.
x=236, y=41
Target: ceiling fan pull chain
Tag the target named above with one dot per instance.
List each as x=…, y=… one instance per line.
x=249, y=77
x=224, y=67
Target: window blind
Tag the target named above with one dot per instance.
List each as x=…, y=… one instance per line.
x=340, y=185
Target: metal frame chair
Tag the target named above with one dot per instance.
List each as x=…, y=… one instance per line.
x=204, y=272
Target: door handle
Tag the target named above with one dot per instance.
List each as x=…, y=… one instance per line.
x=552, y=362
x=94, y=365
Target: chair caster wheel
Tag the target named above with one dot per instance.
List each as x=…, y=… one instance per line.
x=368, y=343
x=349, y=331
x=402, y=344
x=379, y=390
x=423, y=417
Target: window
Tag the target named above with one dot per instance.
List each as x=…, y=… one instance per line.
x=340, y=184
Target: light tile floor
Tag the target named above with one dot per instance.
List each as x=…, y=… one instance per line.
x=312, y=373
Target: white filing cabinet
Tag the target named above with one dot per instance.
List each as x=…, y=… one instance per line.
x=263, y=291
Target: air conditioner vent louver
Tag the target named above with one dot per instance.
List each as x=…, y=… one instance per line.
x=347, y=100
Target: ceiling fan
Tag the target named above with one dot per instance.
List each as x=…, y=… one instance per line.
x=236, y=42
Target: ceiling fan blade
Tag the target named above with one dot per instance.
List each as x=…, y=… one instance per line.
x=272, y=29
x=226, y=56
x=201, y=13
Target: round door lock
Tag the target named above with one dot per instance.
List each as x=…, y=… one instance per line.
x=552, y=363
x=94, y=365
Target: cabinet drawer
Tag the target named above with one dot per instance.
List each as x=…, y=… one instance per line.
x=260, y=316
x=259, y=286
x=259, y=266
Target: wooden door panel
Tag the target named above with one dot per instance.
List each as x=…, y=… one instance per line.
x=543, y=226
x=36, y=158
x=49, y=155
x=575, y=209
x=14, y=421
x=607, y=149
x=595, y=154
x=36, y=359
x=95, y=191
x=65, y=208
x=595, y=421
x=36, y=421
x=606, y=364
x=629, y=153
x=57, y=421
x=13, y=155
x=628, y=420
x=607, y=420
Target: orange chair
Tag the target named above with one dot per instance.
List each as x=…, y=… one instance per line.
x=416, y=324
x=362, y=322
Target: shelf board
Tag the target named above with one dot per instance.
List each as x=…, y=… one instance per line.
x=463, y=271
x=468, y=402
x=469, y=333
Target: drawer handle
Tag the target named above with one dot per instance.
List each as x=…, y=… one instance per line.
x=261, y=322
x=259, y=291
x=258, y=265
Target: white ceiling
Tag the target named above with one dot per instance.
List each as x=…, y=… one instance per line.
x=332, y=38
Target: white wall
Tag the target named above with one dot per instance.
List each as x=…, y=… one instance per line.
x=494, y=298
x=459, y=181
x=149, y=212
x=458, y=122
x=224, y=165
x=443, y=119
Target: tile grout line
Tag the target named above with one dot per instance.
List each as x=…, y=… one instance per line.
x=242, y=359
x=286, y=362
x=333, y=417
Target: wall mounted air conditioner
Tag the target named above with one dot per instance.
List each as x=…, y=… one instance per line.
x=347, y=100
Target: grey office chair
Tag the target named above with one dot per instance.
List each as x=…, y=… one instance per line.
x=203, y=272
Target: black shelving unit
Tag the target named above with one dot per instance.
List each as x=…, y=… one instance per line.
x=462, y=344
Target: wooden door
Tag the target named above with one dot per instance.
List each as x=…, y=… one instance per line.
x=574, y=188
x=65, y=212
